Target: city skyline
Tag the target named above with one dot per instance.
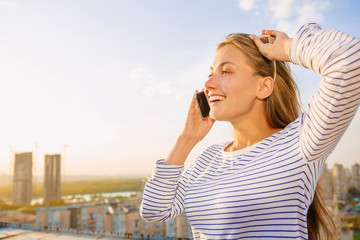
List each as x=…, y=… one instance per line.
x=107, y=84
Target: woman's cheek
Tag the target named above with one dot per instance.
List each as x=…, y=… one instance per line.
x=227, y=84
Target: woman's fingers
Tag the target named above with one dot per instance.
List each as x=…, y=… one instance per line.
x=264, y=48
x=278, y=47
x=272, y=33
x=257, y=41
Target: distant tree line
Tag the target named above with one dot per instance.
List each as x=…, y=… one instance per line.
x=101, y=186
x=83, y=187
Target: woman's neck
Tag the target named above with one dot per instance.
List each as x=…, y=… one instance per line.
x=247, y=133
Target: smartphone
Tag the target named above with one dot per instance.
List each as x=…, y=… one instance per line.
x=202, y=104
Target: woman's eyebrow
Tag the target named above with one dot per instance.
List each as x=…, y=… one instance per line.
x=221, y=65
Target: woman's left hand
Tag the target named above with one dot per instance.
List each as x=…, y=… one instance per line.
x=278, y=49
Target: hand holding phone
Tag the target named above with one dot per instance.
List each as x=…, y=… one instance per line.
x=202, y=104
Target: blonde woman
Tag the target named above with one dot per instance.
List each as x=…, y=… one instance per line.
x=262, y=184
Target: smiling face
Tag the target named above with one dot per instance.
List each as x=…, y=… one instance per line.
x=233, y=88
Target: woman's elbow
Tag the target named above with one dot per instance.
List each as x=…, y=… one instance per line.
x=151, y=215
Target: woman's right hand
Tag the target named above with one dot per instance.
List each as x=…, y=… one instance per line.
x=196, y=127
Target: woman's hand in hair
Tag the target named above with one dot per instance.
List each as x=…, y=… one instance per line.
x=278, y=49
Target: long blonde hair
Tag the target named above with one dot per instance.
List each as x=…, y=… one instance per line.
x=282, y=108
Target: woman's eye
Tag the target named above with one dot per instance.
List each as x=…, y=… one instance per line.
x=210, y=75
x=224, y=72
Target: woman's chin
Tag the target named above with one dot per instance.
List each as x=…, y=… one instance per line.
x=216, y=116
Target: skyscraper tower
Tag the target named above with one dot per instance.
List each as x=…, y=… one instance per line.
x=356, y=176
x=340, y=182
x=325, y=182
x=22, y=181
x=52, y=180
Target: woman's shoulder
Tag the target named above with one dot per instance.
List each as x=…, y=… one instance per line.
x=292, y=130
x=217, y=147
x=294, y=125
x=204, y=160
x=212, y=151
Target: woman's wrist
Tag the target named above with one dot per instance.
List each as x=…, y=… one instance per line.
x=287, y=45
x=180, y=151
x=187, y=140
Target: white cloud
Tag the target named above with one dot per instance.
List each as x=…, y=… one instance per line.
x=138, y=79
x=310, y=11
x=143, y=81
x=286, y=26
x=140, y=73
x=163, y=88
x=8, y=3
x=281, y=9
x=288, y=15
x=246, y=5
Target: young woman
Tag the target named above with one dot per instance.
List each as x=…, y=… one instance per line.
x=262, y=184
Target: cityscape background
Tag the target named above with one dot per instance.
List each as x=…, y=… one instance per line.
x=107, y=84
x=109, y=211
x=94, y=92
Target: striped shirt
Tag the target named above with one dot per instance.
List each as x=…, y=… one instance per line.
x=264, y=191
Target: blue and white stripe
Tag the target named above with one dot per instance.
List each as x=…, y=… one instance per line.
x=264, y=191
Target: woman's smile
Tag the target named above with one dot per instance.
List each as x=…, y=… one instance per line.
x=215, y=99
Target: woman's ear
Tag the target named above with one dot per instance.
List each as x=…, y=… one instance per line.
x=266, y=87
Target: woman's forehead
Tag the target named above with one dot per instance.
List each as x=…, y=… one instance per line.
x=228, y=54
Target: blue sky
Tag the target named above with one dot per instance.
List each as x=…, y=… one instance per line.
x=112, y=80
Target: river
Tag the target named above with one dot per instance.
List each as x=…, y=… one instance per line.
x=87, y=197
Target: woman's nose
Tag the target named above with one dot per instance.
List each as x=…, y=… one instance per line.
x=211, y=83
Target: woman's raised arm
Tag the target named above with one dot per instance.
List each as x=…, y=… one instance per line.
x=164, y=192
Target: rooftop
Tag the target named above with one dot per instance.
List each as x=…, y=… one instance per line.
x=13, y=231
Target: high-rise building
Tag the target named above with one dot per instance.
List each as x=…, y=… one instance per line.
x=22, y=181
x=356, y=176
x=179, y=227
x=340, y=182
x=52, y=180
x=325, y=184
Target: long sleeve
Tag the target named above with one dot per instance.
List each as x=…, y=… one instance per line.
x=164, y=193
x=336, y=57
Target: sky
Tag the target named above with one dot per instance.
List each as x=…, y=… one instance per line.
x=107, y=84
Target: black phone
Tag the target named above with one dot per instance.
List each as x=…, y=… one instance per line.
x=202, y=104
